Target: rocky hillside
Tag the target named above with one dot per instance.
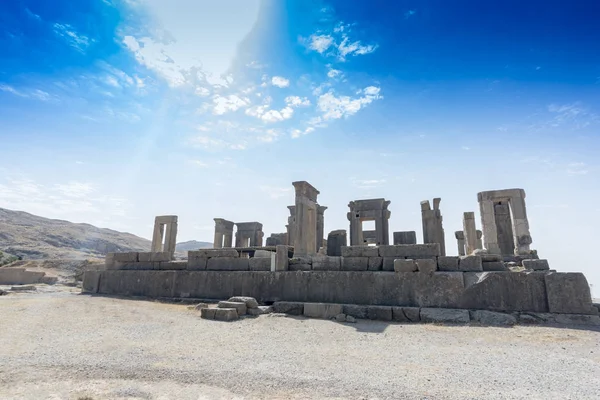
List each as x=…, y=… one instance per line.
x=184, y=247
x=32, y=237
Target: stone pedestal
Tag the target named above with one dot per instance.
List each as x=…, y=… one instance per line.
x=223, y=233
x=335, y=241
x=408, y=237
x=433, y=231
x=305, y=232
x=165, y=227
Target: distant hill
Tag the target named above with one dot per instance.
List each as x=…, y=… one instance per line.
x=192, y=245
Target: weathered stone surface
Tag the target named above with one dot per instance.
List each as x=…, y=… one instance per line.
x=439, y=289
x=227, y=264
x=198, y=307
x=196, y=263
x=262, y=254
x=91, y=281
x=470, y=264
x=150, y=257
x=405, y=265
x=322, y=310
x=249, y=301
x=494, y=266
x=568, y=293
x=210, y=253
x=360, y=251
x=410, y=250
x=289, y=307
x=299, y=267
x=388, y=264
x=281, y=258
x=325, y=263
x=448, y=263
x=300, y=260
x=137, y=266
x=485, y=257
x=445, y=315
x=356, y=311
x=23, y=288
x=350, y=319
x=125, y=257
x=355, y=263
x=172, y=265
x=226, y=314
x=380, y=313
x=426, y=265
x=259, y=264
x=505, y=291
x=260, y=310
x=208, y=313
x=492, y=318
x=577, y=319
x=335, y=241
x=340, y=318
x=536, y=264
x=20, y=276
x=406, y=314
x=407, y=237
x=375, y=264
x=240, y=306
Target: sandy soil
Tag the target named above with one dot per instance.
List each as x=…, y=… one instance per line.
x=62, y=345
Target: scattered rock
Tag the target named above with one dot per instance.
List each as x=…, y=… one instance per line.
x=250, y=301
x=2, y=292
x=260, y=310
x=226, y=314
x=340, y=318
x=239, y=306
x=197, y=307
x=208, y=313
x=351, y=319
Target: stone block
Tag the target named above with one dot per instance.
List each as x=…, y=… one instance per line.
x=196, y=263
x=489, y=257
x=470, y=264
x=568, y=293
x=577, y=319
x=410, y=250
x=91, y=280
x=129, y=257
x=154, y=257
x=485, y=317
x=322, y=310
x=426, y=265
x=405, y=265
x=259, y=264
x=136, y=266
x=249, y=301
x=355, y=263
x=406, y=314
x=260, y=310
x=228, y=264
x=109, y=261
x=208, y=313
x=175, y=265
x=281, y=258
x=380, y=313
x=239, y=306
x=335, y=241
x=262, y=254
x=299, y=267
x=408, y=237
x=355, y=311
x=536, y=264
x=289, y=307
x=388, y=264
x=326, y=263
x=448, y=263
x=375, y=264
x=360, y=251
x=226, y=314
x=445, y=315
x=210, y=253
x=494, y=266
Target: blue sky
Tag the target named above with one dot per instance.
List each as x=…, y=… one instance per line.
x=112, y=112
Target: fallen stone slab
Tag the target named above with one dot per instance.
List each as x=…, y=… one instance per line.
x=22, y=288
x=260, y=310
x=289, y=307
x=568, y=293
x=208, y=313
x=445, y=315
x=485, y=317
x=406, y=314
x=250, y=301
x=226, y=314
x=340, y=317
x=240, y=307
x=405, y=265
x=322, y=310
x=351, y=319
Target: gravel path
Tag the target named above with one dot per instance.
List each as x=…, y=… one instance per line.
x=67, y=346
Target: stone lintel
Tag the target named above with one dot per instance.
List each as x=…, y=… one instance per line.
x=499, y=195
x=249, y=226
x=369, y=204
x=460, y=235
x=305, y=189
x=223, y=224
x=165, y=219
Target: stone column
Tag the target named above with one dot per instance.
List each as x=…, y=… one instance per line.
x=470, y=231
x=488, y=225
x=291, y=226
x=522, y=237
x=460, y=239
x=320, y=225
x=305, y=240
x=433, y=230
x=157, y=236
x=479, y=241
x=504, y=227
x=408, y=237
x=223, y=233
x=382, y=225
x=335, y=241
x=165, y=227
x=356, y=232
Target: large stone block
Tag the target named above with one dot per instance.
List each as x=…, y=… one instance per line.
x=380, y=313
x=322, y=310
x=154, y=257
x=226, y=314
x=335, y=241
x=568, y=293
x=470, y=264
x=439, y=289
x=388, y=264
x=137, y=283
x=91, y=280
x=485, y=317
x=355, y=311
x=355, y=263
x=505, y=291
x=405, y=265
x=196, y=263
x=129, y=257
x=239, y=306
x=536, y=264
x=375, y=264
x=210, y=253
x=228, y=264
x=326, y=263
x=249, y=301
x=262, y=254
x=406, y=314
x=208, y=313
x=171, y=265
x=259, y=264
x=448, y=263
x=494, y=266
x=445, y=315
x=360, y=251
x=289, y=307
x=299, y=267
x=410, y=250
x=426, y=265
x=408, y=237
x=281, y=258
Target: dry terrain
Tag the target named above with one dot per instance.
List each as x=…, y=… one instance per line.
x=58, y=344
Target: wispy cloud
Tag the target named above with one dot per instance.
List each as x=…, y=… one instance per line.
x=335, y=107
x=36, y=94
x=69, y=34
x=577, y=168
x=337, y=43
x=280, y=81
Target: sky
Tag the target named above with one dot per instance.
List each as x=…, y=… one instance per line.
x=115, y=111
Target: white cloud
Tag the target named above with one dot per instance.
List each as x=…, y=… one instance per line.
x=36, y=94
x=69, y=34
x=333, y=73
x=202, y=91
x=280, y=81
x=296, y=101
x=275, y=116
x=577, y=168
x=335, y=107
x=223, y=104
x=296, y=133
x=355, y=48
x=320, y=43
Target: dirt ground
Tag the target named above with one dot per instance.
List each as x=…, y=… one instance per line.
x=58, y=344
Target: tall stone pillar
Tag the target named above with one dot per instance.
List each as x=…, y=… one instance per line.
x=504, y=227
x=335, y=241
x=305, y=232
x=479, y=241
x=356, y=231
x=433, y=230
x=522, y=237
x=320, y=225
x=470, y=231
x=460, y=240
x=488, y=226
x=223, y=233
x=291, y=226
x=165, y=227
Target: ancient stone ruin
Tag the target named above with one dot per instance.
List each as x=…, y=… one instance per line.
x=494, y=277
